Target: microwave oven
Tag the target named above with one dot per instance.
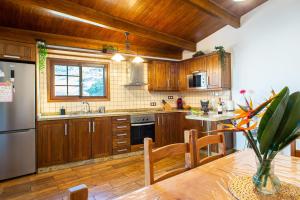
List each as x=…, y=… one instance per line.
x=197, y=80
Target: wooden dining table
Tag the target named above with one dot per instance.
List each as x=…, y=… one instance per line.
x=210, y=181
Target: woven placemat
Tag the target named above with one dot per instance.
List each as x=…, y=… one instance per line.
x=242, y=188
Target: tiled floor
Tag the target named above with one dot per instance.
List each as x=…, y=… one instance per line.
x=105, y=180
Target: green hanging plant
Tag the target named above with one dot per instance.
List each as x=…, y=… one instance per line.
x=42, y=55
x=222, y=53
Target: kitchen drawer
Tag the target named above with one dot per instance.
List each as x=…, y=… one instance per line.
x=137, y=147
x=121, y=127
x=120, y=150
x=121, y=119
x=121, y=134
x=121, y=142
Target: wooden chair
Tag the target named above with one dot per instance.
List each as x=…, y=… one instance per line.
x=79, y=192
x=152, y=156
x=218, y=138
x=294, y=151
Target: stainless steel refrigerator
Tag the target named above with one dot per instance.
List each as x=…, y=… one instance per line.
x=17, y=120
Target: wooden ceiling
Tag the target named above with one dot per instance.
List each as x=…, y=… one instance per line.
x=164, y=27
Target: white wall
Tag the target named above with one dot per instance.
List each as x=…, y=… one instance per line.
x=265, y=50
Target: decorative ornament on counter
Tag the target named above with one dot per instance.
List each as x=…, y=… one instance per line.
x=166, y=106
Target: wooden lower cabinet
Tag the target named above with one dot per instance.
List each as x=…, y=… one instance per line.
x=101, y=137
x=80, y=134
x=167, y=129
x=63, y=141
x=186, y=124
x=52, y=143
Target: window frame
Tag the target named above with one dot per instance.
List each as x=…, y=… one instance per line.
x=81, y=63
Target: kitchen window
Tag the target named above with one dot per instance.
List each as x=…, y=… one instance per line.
x=77, y=80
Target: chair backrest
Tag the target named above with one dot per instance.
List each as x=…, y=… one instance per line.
x=217, y=138
x=294, y=150
x=79, y=192
x=152, y=156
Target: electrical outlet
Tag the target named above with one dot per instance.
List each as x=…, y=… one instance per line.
x=152, y=103
x=170, y=97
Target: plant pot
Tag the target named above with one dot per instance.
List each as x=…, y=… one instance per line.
x=265, y=181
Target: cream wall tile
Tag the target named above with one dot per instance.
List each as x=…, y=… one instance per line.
x=126, y=97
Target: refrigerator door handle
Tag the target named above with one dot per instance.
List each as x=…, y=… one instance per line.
x=15, y=131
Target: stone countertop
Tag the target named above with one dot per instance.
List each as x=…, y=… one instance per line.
x=107, y=114
x=212, y=117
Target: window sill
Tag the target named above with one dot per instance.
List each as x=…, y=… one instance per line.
x=93, y=99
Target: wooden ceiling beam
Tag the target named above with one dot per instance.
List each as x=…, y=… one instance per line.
x=70, y=41
x=217, y=11
x=107, y=21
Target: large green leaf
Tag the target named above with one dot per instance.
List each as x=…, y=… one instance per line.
x=269, y=112
x=290, y=119
x=274, y=113
x=294, y=135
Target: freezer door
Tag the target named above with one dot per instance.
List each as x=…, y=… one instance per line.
x=20, y=113
x=17, y=153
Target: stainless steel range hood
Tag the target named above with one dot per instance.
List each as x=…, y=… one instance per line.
x=135, y=74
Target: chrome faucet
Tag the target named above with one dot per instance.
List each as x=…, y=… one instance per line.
x=89, y=107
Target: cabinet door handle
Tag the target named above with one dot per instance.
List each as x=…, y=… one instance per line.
x=124, y=142
x=9, y=56
x=207, y=80
x=122, y=150
x=119, y=127
x=66, y=129
x=93, y=127
x=158, y=121
x=89, y=127
x=122, y=134
x=122, y=119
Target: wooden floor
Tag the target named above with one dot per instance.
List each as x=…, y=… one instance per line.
x=105, y=180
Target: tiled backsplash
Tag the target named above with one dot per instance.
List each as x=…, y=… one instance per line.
x=122, y=97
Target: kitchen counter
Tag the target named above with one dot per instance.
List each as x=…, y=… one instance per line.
x=212, y=117
x=107, y=114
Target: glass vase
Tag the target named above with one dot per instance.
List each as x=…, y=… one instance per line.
x=265, y=181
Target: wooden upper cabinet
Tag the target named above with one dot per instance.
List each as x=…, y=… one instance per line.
x=52, y=142
x=213, y=71
x=196, y=65
x=101, y=137
x=219, y=77
x=182, y=85
x=162, y=76
x=80, y=132
x=172, y=76
x=17, y=50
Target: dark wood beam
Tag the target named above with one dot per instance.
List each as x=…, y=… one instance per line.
x=69, y=41
x=217, y=11
x=108, y=21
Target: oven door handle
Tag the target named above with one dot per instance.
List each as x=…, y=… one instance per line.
x=143, y=124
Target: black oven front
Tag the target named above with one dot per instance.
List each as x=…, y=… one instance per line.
x=142, y=126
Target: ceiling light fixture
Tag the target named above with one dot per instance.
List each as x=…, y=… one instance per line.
x=238, y=0
x=118, y=57
x=138, y=59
